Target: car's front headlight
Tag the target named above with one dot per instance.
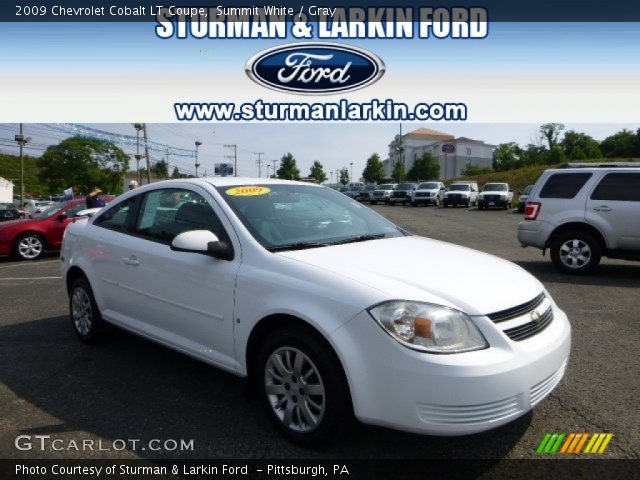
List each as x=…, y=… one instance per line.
x=427, y=327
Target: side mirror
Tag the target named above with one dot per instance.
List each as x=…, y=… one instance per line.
x=511, y=190
x=62, y=216
x=203, y=242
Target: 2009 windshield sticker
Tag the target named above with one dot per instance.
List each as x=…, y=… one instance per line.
x=247, y=191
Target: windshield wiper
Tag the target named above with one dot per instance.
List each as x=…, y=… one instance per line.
x=360, y=238
x=297, y=246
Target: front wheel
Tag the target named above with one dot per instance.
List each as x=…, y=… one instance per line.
x=302, y=386
x=29, y=246
x=575, y=252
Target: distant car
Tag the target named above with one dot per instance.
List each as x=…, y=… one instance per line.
x=495, y=195
x=522, y=200
x=9, y=211
x=31, y=238
x=364, y=195
x=353, y=191
x=401, y=194
x=428, y=193
x=33, y=207
x=461, y=193
x=382, y=193
x=583, y=213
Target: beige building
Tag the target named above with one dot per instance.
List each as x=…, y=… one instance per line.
x=453, y=154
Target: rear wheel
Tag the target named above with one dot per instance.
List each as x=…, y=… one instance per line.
x=29, y=246
x=302, y=386
x=86, y=320
x=576, y=252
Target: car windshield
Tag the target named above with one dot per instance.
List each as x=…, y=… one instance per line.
x=293, y=217
x=460, y=188
x=527, y=190
x=386, y=186
x=428, y=186
x=370, y=188
x=405, y=186
x=495, y=187
x=48, y=211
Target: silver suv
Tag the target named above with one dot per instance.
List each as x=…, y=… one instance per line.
x=584, y=212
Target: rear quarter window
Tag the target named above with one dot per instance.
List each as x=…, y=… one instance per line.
x=564, y=185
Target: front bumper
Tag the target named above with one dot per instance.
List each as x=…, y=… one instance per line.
x=426, y=200
x=493, y=203
x=406, y=199
x=457, y=394
x=457, y=200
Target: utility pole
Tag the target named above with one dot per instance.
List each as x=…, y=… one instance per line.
x=138, y=127
x=259, y=163
x=275, y=173
x=351, y=177
x=197, y=164
x=21, y=142
x=146, y=152
x=233, y=157
x=331, y=173
x=166, y=161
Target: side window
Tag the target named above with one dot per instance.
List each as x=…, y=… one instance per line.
x=564, y=185
x=168, y=212
x=116, y=218
x=624, y=187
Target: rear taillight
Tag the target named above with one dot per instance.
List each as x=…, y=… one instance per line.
x=531, y=210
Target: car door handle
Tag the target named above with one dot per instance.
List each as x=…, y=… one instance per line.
x=602, y=208
x=133, y=261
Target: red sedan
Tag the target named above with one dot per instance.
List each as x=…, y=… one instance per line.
x=31, y=238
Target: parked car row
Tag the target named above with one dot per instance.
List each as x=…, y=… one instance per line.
x=467, y=194
x=31, y=238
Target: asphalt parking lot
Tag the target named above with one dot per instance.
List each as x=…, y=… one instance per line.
x=129, y=388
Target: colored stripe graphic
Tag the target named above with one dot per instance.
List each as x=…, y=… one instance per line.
x=573, y=443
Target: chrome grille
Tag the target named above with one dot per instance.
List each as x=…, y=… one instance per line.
x=522, y=332
x=518, y=311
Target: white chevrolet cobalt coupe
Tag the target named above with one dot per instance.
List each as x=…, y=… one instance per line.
x=329, y=309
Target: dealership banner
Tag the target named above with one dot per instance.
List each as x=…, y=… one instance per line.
x=237, y=62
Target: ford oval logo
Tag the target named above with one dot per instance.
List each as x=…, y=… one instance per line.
x=315, y=68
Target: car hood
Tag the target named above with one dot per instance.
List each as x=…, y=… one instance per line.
x=20, y=222
x=422, y=269
x=427, y=191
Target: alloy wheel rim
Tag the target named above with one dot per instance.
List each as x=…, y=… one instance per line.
x=81, y=311
x=30, y=247
x=575, y=253
x=295, y=389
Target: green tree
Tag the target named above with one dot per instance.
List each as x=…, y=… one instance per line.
x=317, y=172
x=160, y=169
x=472, y=170
x=344, y=176
x=288, y=169
x=624, y=144
x=374, y=171
x=580, y=146
x=83, y=163
x=551, y=133
x=507, y=156
x=398, y=174
x=424, y=168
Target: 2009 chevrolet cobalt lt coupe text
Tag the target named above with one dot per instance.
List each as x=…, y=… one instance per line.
x=328, y=308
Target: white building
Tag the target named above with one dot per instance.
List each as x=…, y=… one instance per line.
x=6, y=191
x=453, y=154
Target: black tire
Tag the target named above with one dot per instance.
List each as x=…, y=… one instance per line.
x=29, y=246
x=372, y=203
x=413, y=204
x=445, y=205
x=86, y=321
x=575, y=252
x=336, y=409
x=480, y=207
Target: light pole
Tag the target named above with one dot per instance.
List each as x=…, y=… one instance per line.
x=331, y=173
x=351, y=177
x=138, y=127
x=197, y=164
x=22, y=141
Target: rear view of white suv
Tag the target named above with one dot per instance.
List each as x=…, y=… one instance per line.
x=584, y=212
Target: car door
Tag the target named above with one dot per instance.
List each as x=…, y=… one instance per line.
x=59, y=222
x=183, y=299
x=614, y=207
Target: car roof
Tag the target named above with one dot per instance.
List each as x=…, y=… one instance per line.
x=231, y=181
x=596, y=169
